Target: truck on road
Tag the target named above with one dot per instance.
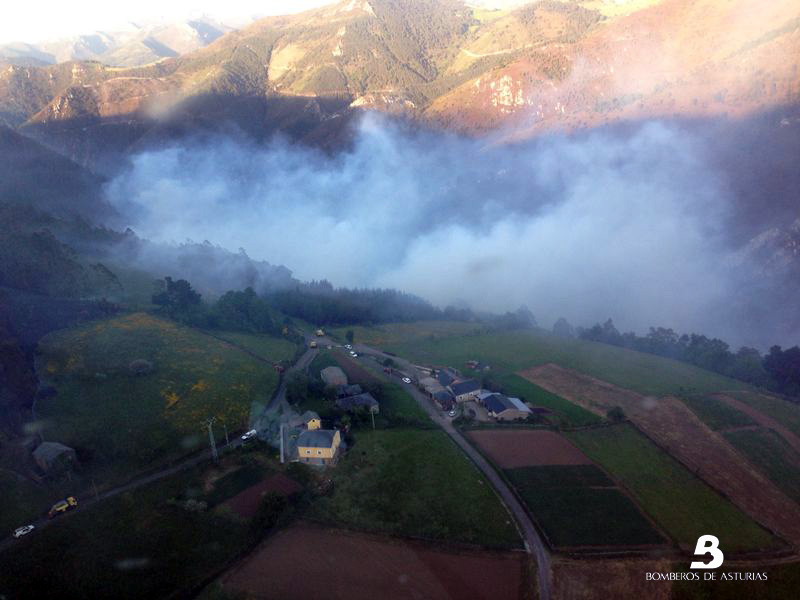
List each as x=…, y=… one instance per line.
x=62, y=506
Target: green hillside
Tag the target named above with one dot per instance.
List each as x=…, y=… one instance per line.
x=136, y=390
x=509, y=351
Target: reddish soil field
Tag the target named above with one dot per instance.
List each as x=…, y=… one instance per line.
x=762, y=419
x=355, y=372
x=609, y=579
x=246, y=502
x=512, y=448
x=676, y=429
x=307, y=561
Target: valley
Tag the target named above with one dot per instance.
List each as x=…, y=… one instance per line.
x=404, y=299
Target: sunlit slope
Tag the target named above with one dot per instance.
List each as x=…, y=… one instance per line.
x=136, y=390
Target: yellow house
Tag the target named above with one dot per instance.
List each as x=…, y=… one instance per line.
x=318, y=446
x=313, y=423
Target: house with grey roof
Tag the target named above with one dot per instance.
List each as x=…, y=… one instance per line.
x=354, y=402
x=444, y=399
x=503, y=408
x=464, y=390
x=318, y=446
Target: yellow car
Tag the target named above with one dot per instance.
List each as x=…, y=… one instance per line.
x=62, y=506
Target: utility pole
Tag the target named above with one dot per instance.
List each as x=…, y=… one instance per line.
x=281, y=443
x=214, y=453
x=227, y=441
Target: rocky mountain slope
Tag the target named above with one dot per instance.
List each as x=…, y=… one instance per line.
x=543, y=66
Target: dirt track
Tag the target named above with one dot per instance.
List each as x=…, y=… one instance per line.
x=512, y=448
x=306, y=561
x=669, y=423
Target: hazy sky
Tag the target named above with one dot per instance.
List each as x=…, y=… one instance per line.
x=37, y=21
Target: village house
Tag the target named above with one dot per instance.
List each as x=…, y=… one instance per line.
x=503, y=408
x=319, y=446
x=333, y=376
x=464, y=390
x=446, y=376
x=444, y=399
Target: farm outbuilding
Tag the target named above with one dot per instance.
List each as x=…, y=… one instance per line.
x=353, y=402
x=52, y=456
x=333, y=376
x=465, y=390
x=504, y=408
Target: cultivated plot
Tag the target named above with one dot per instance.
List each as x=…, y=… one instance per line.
x=305, y=561
x=512, y=448
x=669, y=423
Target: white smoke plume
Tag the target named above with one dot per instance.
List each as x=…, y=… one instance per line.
x=628, y=225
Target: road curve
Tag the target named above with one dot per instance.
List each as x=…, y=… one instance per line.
x=533, y=541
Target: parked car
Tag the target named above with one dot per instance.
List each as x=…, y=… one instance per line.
x=24, y=530
x=452, y=413
x=250, y=434
x=348, y=346
x=353, y=354
x=406, y=380
x=62, y=506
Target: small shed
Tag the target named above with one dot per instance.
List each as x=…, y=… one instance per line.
x=353, y=402
x=52, y=456
x=333, y=376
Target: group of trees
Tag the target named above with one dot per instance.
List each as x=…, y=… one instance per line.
x=235, y=310
x=779, y=370
x=319, y=302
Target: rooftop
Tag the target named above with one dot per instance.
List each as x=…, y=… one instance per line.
x=317, y=438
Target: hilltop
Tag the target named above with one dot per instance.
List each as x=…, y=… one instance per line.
x=539, y=67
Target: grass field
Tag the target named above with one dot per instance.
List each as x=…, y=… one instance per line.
x=716, y=414
x=123, y=422
x=440, y=344
x=415, y=483
x=568, y=413
x=772, y=455
x=268, y=347
x=682, y=504
x=785, y=412
x=395, y=333
x=135, y=545
x=578, y=505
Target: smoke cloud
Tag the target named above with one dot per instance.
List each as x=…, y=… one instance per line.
x=628, y=225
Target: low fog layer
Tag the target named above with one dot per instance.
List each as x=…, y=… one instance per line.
x=628, y=226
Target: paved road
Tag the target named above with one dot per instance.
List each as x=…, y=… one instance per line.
x=301, y=365
x=533, y=541
x=86, y=502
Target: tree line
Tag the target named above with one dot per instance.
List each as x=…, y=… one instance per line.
x=778, y=370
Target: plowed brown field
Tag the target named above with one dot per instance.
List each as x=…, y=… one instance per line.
x=674, y=427
x=512, y=448
x=609, y=579
x=307, y=561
